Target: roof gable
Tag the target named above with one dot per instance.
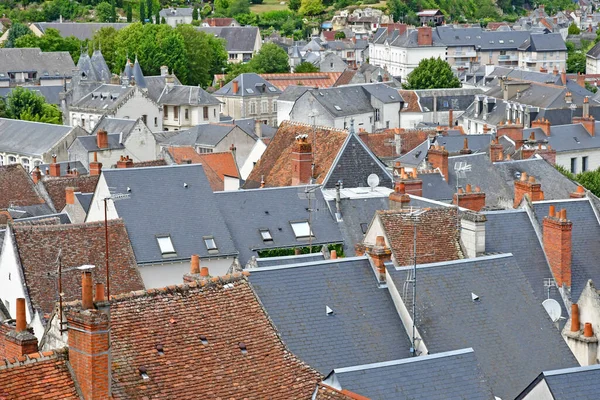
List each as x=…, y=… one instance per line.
x=55, y=187
x=17, y=188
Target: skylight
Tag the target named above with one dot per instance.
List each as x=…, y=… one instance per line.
x=165, y=244
x=301, y=229
x=500, y=41
x=266, y=235
x=249, y=90
x=338, y=108
x=272, y=89
x=210, y=243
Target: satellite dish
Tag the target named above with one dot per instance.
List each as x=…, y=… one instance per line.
x=552, y=307
x=373, y=181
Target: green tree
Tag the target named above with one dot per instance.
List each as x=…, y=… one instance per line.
x=129, y=13
x=157, y=17
x=105, y=39
x=270, y=59
x=221, y=7
x=576, y=62
x=113, y=11
x=305, y=67
x=239, y=7
x=17, y=30
x=311, y=7
x=163, y=20
x=573, y=29
x=206, y=56
x=149, y=13
x=294, y=5
x=340, y=35
x=432, y=73
x=142, y=12
x=195, y=14
x=28, y=105
x=104, y=12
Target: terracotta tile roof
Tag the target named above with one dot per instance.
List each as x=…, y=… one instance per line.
x=152, y=163
x=411, y=101
x=345, y=77
x=309, y=79
x=184, y=153
x=325, y=392
x=178, y=317
x=217, y=166
x=81, y=244
x=17, y=188
x=329, y=35
x=437, y=236
x=275, y=165
x=37, y=376
x=381, y=143
x=218, y=21
x=492, y=26
x=55, y=187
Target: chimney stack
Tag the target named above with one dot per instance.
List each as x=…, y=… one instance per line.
x=438, y=157
x=527, y=186
x=95, y=166
x=54, y=167
x=235, y=86
x=36, y=174
x=302, y=158
x=412, y=185
x=496, y=150
x=195, y=264
x=125, y=162
x=581, y=79
x=398, y=199
x=102, y=139
x=568, y=98
x=424, y=36
x=588, y=122
x=379, y=254
x=579, y=193
x=258, y=128
x=70, y=195
x=473, y=200
x=557, y=230
x=164, y=70
x=563, y=76
x=450, y=118
x=20, y=341
x=543, y=124
x=465, y=149
x=472, y=233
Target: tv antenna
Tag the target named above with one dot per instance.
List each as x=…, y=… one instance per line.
x=395, y=144
x=114, y=197
x=373, y=181
x=548, y=284
x=308, y=192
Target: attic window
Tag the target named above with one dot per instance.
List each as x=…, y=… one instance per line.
x=160, y=350
x=243, y=348
x=338, y=108
x=266, y=235
x=576, y=139
x=210, y=243
x=301, y=229
x=500, y=41
x=249, y=90
x=203, y=340
x=166, y=245
x=143, y=373
x=392, y=97
x=363, y=227
x=511, y=41
x=272, y=89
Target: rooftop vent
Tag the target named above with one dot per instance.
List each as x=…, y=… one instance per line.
x=143, y=373
x=328, y=310
x=243, y=348
x=160, y=350
x=203, y=339
x=474, y=297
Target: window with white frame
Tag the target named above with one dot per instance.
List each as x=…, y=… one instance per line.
x=301, y=229
x=209, y=242
x=166, y=245
x=25, y=163
x=12, y=160
x=252, y=108
x=1, y=160
x=265, y=234
x=264, y=107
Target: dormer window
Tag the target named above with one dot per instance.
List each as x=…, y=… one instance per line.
x=166, y=245
x=301, y=229
x=210, y=244
x=266, y=236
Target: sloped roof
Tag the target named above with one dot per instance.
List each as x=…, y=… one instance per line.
x=237, y=38
x=180, y=95
x=17, y=188
x=544, y=42
x=364, y=327
x=90, y=142
x=569, y=383
x=66, y=168
x=114, y=125
x=346, y=77
x=246, y=212
x=217, y=166
x=287, y=260
x=513, y=337
x=80, y=30
x=275, y=165
x=171, y=317
x=55, y=187
x=205, y=134
x=310, y=79
x=456, y=375
x=249, y=84
x=81, y=244
x=154, y=207
x=104, y=97
x=436, y=228
x=39, y=376
x=594, y=52
x=46, y=64
x=176, y=12
x=30, y=138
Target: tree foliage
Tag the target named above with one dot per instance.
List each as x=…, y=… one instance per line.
x=51, y=41
x=129, y=13
x=305, y=67
x=588, y=179
x=432, y=73
x=16, y=31
x=104, y=12
x=294, y=5
x=195, y=14
x=311, y=7
x=270, y=59
x=574, y=29
x=28, y=105
x=576, y=62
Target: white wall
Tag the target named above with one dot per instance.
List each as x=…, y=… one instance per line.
x=140, y=145
x=161, y=275
x=564, y=158
x=255, y=154
x=540, y=392
x=140, y=105
x=12, y=286
x=231, y=183
x=401, y=61
x=592, y=66
x=96, y=211
x=409, y=120
x=284, y=108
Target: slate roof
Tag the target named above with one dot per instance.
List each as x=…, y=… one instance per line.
x=585, y=226
x=37, y=249
x=55, y=187
x=544, y=42
x=512, y=335
x=569, y=383
x=17, y=188
x=176, y=12
x=237, y=38
x=154, y=208
x=286, y=260
x=46, y=64
x=247, y=211
x=90, y=142
x=364, y=327
x=50, y=93
x=435, y=187
x=249, y=84
x=39, y=376
x=572, y=137
x=205, y=134
x=292, y=93
x=80, y=30
x=85, y=199
x=30, y=138
x=104, y=97
x=156, y=84
x=248, y=125
x=183, y=95
x=65, y=168
x=94, y=68
x=450, y=375
x=170, y=317
x=594, y=52
x=114, y=125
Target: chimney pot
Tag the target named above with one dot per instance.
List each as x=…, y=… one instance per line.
x=70, y=195
x=531, y=179
x=380, y=241
x=102, y=139
x=574, y=317
x=235, y=86
x=551, y=211
x=468, y=188
x=195, y=265
x=21, y=316
x=588, y=331
x=333, y=255
x=204, y=272
x=86, y=291
x=524, y=177
x=99, y=296
x=36, y=175
x=477, y=189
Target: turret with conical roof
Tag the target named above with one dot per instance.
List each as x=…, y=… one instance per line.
x=85, y=67
x=100, y=67
x=138, y=75
x=128, y=71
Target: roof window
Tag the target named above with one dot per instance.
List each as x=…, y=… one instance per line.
x=243, y=348
x=249, y=90
x=210, y=243
x=511, y=41
x=500, y=41
x=143, y=373
x=266, y=235
x=166, y=245
x=338, y=108
x=272, y=89
x=160, y=349
x=301, y=229
x=203, y=340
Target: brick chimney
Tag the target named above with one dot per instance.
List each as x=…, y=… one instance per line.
x=301, y=161
x=472, y=233
x=235, y=86
x=527, y=152
x=584, y=345
x=438, y=157
x=89, y=345
x=36, y=174
x=580, y=79
x=586, y=119
x=379, y=254
x=563, y=76
x=527, y=186
x=558, y=244
x=102, y=139
x=412, y=185
x=543, y=124
x=20, y=341
x=54, y=167
x=424, y=36
x=398, y=199
x=125, y=162
x=548, y=154
x=496, y=150
x=579, y=193
x=95, y=166
x=465, y=149
x=70, y=195
x=473, y=200
x=450, y=118
x=258, y=128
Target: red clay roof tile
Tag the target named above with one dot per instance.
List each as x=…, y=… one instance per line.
x=55, y=187
x=17, y=188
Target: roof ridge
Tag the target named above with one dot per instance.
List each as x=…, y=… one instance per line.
x=307, y=125
x=64, y=227
x=37, y=357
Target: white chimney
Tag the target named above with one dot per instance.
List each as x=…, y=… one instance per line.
x=258, y=128
x=472, y=233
